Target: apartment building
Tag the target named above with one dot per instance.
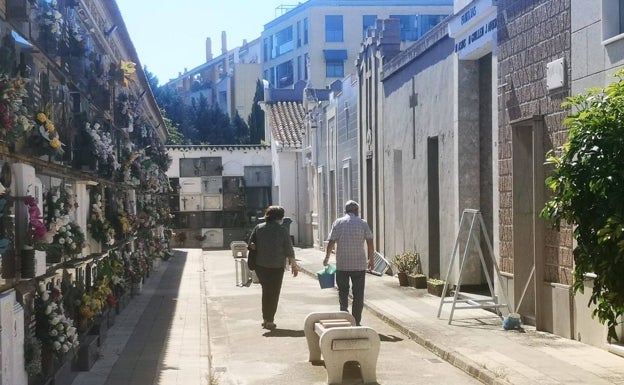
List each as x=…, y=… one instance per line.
x=227, y=80
x=318, y=41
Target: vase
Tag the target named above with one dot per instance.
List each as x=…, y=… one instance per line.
x=88, y=353
x=28, y=262
x=54, y=256
x=8, y=264
x=48, y=362
x=136, y=288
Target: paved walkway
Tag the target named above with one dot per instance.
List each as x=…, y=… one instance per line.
x=476, y=342
x=191, y=317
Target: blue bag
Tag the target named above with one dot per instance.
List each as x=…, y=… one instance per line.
x=327, y=277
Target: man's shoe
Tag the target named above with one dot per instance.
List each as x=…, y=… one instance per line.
x=269, y=325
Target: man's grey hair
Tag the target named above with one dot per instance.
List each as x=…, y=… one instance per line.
x=352, y=207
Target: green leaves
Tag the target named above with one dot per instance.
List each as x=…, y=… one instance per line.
x=587, y=185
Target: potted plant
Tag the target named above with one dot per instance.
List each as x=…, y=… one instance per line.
x=416, y=278
x=406, y=264
x=435, y=286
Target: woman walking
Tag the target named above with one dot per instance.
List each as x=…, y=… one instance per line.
x=273, y=246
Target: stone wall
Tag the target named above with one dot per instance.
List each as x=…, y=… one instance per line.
x=531, y=35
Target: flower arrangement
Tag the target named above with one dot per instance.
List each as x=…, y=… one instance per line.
x=138, y=269
x=32, y=355
x=96, y=301
x=37, y=234
x=67, y=234
x=77, y=41
x=124, y=74
x=99, y=227
x=15, y=118
x=54, y=329
x=46, y=137
x=102, y=143
x=51, y=20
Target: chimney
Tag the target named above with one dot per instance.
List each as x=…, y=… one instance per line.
x=208, y=49
x=223, y=43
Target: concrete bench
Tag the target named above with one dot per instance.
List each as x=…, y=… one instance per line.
x=239, y=247
x=334, y=336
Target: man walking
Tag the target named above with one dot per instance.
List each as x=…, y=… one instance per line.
x=350, y=232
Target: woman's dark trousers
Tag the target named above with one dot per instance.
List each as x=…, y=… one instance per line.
x=271, y=281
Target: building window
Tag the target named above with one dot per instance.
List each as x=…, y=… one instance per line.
x=346, y=181
x=305, y=31
x=282, y=42
x=333, y=28
x=284, y=74
x=612, y=20
x=368, y=22
x=306, y=65
x=334, y=69
x=299, y=73
x=272, y=76
x=409, y=26
x=265, y=50
x=298, y=34
x=427, y=22
x=334, y=62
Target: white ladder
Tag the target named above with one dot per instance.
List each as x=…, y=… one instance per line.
x=472, y=301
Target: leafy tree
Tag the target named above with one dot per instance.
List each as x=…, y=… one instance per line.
x=175, y=137
x=588, y=193
x=170, y=100
x=255, y=121
x=152, y=80
x=240, y=130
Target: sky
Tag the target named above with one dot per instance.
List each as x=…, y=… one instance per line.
x=171, y=35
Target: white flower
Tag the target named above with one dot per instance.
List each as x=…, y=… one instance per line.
x=56, y=345
x=53, y=333
x=62, y=241
x=48, y=310
x=61, y=339
x=55, y=320
x=65, y=348
x=45, y=296
x=71, y=331
x=41, y=287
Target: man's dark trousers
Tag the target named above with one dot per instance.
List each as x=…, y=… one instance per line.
x=357, y=280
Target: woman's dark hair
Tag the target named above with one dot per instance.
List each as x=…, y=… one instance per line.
x=274, y=213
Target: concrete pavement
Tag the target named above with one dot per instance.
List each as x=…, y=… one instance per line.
x=192, y=325
x=476, y=342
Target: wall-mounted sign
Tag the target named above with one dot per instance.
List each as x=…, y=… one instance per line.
x=473, y=29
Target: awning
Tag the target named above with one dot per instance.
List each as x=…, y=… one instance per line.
x=335, y=54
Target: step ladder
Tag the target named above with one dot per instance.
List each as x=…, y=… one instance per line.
x=461, y=300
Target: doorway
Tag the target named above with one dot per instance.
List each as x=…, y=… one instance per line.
x=433, y=195
x=527, y=202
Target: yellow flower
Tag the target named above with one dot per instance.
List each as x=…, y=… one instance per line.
x=49, y=126
x=41, y=117
x=55, y=143
x=128, y=67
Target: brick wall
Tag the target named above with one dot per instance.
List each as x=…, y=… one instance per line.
x=530, y=35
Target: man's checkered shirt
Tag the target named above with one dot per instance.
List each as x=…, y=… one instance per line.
x=350, y=233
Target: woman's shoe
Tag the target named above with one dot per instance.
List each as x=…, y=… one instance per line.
x=269, y=325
